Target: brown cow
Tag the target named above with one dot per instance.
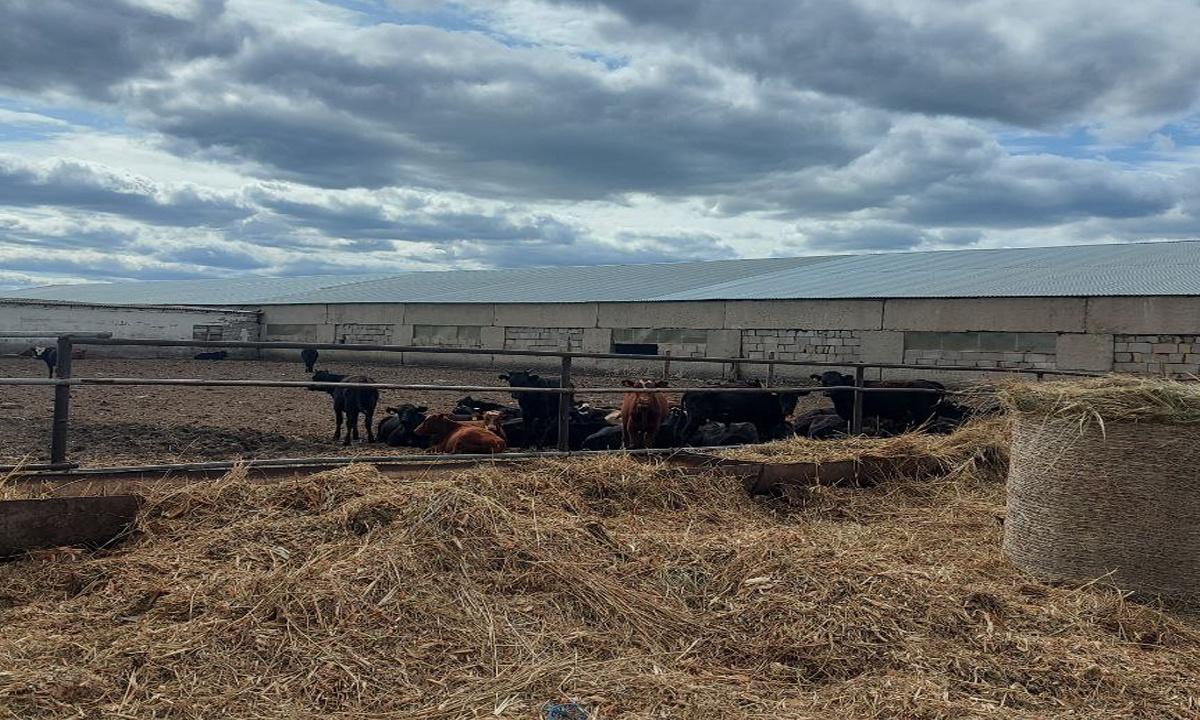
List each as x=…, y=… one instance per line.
x=642, y=413
x=493, y=420
x=451, y=436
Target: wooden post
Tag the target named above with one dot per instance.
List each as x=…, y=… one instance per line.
x=667, y=367
x=564, y=408
x=771, y=370
x=62, y=403
x=857, y=419
x=1040, y=376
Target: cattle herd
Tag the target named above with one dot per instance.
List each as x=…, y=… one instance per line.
x=730, y=414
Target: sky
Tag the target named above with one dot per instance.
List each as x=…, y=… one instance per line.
x=190, y=139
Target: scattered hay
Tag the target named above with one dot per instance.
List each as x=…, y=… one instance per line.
x=1115, y=397
x=635, y=589
x=980, y=447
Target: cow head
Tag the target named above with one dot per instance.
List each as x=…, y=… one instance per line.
x=325, y=376
x=832, y=378
x=435, y=426
x=644, y=383
x=521, y=378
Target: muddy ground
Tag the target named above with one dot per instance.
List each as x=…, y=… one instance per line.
x=138, y=425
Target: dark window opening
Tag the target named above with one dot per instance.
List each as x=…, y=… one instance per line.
x=635, y=348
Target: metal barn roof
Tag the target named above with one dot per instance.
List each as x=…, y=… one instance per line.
x=1141, y=269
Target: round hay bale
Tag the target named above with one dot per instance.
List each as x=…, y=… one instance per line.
x=1114, y=500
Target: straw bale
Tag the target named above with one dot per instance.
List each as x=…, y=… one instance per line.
x=638, y=590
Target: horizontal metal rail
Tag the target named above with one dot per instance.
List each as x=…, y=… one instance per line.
x=48, y=334
x=258, y=345
x=431, y=460
x=305, y=384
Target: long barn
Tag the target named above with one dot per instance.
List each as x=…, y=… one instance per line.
x=1126, y=308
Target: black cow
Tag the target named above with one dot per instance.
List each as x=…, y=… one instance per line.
x=819, y=424
x=218, y=355
x=609, y=438
x=309, y=356
x=470, y=406
x=767, y=410
x=538, y=410
x=713, y=434
x=905, y=407
x=47, y=355
x=397, y=428
x=350, y=401
x=671, y=434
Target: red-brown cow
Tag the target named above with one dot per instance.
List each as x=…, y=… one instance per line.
x=451, y=436
x=642, y=413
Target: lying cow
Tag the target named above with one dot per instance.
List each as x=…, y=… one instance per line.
x=454, y=437
x=767, y=410
x=642, y=413
x=472, y=407
x=397, y=428
x=218, y=355
x=309, y=356
x=905, y=407
x=349, y=402
x=714, y=434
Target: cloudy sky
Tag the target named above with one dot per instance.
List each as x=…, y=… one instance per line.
x=168, y=139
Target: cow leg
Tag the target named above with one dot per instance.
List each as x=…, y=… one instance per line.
x=337, y=416
x=351, y=425
x=368, y=418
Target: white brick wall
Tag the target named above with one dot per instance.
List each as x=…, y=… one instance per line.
x=982, y=359
x=1175, y=355
x=816, y=345
x=539, y=338
x=371, y=334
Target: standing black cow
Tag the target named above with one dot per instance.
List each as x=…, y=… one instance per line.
x=397, y=428
x=767, y=410
x=309, y=356
x=903, y=407
x=47, y=355
x=350, y=401
x=538, y=410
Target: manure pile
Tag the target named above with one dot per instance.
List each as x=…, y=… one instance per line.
x=640, y=591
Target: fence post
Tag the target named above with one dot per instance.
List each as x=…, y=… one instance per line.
x=770, y=370
x=667, y=367
x=857, y=418
x=62, y=403
x=564, y=408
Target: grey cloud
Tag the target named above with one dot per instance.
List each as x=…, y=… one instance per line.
x=87, y=49
x=1027, y=63
x=81, y=185
x=463, y=111
x=215, y=256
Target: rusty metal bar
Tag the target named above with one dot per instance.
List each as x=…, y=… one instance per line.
x=856, y=419
x=301, y=384
x=537, y=353
x=36, y=334
x=667, y=367
x=565, y=401
x=770, y=370
x=62, y=404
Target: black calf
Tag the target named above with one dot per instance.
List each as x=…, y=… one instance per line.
x=349, y=401
x=309, y=356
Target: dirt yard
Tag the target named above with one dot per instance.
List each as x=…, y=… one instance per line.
x=138, y=425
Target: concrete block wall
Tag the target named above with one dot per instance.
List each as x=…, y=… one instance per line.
x=365, y=333
x=982, y=359
x=554, y=339
x=816, y=345
x=1172, y=355
x=134, y=322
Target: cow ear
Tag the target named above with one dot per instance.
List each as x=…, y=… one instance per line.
x=627, y=383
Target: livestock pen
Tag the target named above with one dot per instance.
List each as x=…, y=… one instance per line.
x=58, y=458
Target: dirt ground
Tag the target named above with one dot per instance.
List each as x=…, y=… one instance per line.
x=140, y=425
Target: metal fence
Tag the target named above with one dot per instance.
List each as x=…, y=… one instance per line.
x=65, y=380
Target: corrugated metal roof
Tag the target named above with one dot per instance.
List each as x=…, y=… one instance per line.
x=1170, y=268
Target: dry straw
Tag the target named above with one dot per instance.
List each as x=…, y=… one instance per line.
x=638, y=590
